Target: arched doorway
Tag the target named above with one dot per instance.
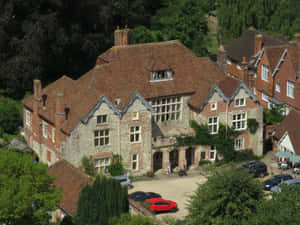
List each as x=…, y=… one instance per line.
x=157, y=161
x=174, y=158
x=190, y=156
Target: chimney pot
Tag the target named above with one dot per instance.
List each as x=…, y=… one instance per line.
x=244, y=59
x=121, y=37
x=221, y=48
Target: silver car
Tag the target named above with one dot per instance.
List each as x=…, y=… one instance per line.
x=293, y=182
x=124, y=181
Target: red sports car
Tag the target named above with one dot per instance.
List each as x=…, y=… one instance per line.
x=161, y=205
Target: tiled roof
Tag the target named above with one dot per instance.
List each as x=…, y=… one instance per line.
x=274, y=54
x=72, y=181
x=127, y=71
x=244, y=45
x=290, y=124
x=228, y=86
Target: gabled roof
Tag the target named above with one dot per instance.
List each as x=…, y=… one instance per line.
x=244, y=45
x=125, y=72
x=290, y=124
x=228, y=89
x=72, y=181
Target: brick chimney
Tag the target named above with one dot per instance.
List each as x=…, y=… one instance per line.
x=37, y=93
x=121, y=36
x=257, y=43
x=221, y=58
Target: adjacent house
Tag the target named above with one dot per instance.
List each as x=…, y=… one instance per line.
x=134, y=103
x=71, y=181
x=269, y=65
x=286, y=138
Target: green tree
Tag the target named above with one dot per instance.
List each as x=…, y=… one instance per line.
x=231, y=195
x=26, y=193
x=274, y=115
x=127, y=219
x=285, y=208
x=101, y=201
x=67, y=220
x=10, y=115
x=88, y=165
x=116, y=167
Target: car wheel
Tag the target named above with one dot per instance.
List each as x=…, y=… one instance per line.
x=173, y=210
x=154, y=212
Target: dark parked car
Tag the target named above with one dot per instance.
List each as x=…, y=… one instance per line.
x=257, y=168
x=293, y=183
x=141, y=196
x=277, y=179
x=160, y=205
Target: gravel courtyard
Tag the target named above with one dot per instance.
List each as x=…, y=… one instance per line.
x=173, y=188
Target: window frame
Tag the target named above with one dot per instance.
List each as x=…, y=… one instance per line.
x=53, y=134
x=241, y=143
x=100, y=119
x=264, y=73
x=213, y=106
x=135, y=161
x=211, y=125
x=27, y=118
x=45, y=130
x=161, y=75
x=277, y=87
x=254, y=90
x=104, y=137
x=135, y=133
x=168, y=108
x=135, y=116
x=239, y=102
x=290, y=84
x=242, y=121
x=101, y=165
x=264, y=97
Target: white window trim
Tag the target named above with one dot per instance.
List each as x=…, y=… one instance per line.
x=254, y=90
x=45, y=130
x=240, y=120
x=53, y=135
x=241, y=146
x=134, y=133
x=264, y=97
x=212, y=149
x=264, y=73
x=238, y=66
x=277, y=87
x=135, y=161
x=135, y=115
x=101, y=164
x=290, y=84
x=213, y=106
x=155, y=78
x=228, y=61
x=102, y=116
x=175, y=108
x=99, y=137
x=27, y=118
x=239, y=102
x=213, y=124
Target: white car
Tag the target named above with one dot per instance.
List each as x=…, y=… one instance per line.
x=124, y=181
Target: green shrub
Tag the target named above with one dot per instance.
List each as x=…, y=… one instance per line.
x=204, y=162
x=88, y=165
x=116, y=168
x=245, y=155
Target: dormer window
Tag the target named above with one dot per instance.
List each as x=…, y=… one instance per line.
x=161, y=75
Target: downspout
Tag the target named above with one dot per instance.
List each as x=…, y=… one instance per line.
x=227, y=103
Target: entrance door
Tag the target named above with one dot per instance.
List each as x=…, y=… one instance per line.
x=190, y=156
x=202, y=156
x=174, y=158
x=157, y=161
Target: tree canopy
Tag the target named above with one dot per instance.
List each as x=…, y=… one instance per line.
x=101, y=201
x=26, y=193
x=127, y=219
x=231, y=195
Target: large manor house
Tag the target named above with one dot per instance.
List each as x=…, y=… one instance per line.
x=133, y=103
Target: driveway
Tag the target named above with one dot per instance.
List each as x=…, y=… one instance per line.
x=176, y=189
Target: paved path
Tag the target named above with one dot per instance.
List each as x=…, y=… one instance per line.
x=174, y=188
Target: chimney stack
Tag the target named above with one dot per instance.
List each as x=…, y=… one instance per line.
x=257, y=43
x=37, y=89
x=121, y=36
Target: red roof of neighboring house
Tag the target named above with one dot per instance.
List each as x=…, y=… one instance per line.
x=126, y=71
x=72, y=181
x=290, y=124
x=228, y=86
x=244, y=45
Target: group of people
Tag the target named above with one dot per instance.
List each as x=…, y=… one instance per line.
x=169, y=166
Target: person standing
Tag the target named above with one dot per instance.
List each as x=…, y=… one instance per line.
x=184, y=165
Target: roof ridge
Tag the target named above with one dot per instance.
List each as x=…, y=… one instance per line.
x=147, y=44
